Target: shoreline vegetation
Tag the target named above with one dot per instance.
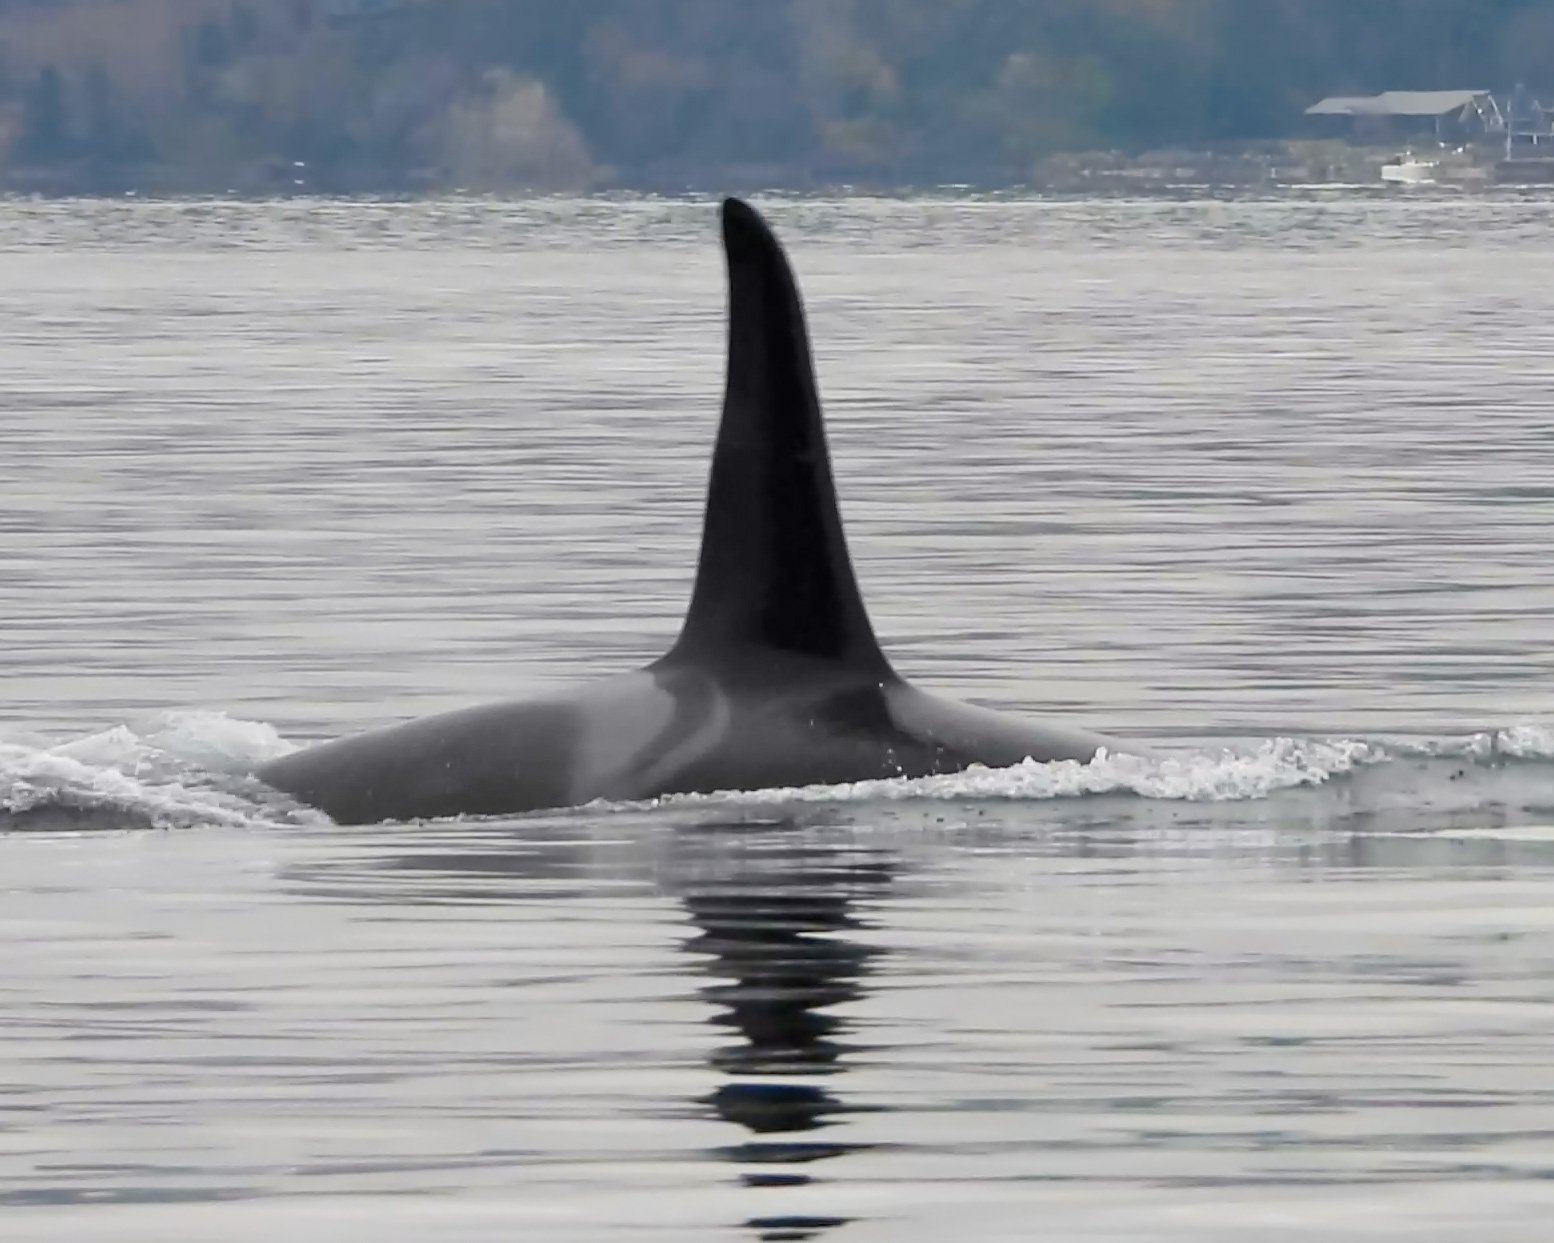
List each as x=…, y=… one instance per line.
x=420, y=97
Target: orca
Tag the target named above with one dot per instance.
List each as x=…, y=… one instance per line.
x=776, y=679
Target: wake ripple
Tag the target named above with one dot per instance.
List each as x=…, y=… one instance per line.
x=192, y=769
x=184, y=770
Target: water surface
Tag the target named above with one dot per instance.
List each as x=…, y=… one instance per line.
x=1265, y=482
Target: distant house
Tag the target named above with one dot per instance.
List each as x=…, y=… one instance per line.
x=1450, y=115
x=1529, y=126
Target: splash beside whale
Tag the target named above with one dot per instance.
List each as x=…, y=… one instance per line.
x=776, y=679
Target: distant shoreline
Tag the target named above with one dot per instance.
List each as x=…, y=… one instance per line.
x=1273, y=167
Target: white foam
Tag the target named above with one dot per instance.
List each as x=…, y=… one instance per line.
x=167, y=775
x=1529, y=741
x=1503, y=833
x=1525, y=742
x=216, y=741
x=1222, y=775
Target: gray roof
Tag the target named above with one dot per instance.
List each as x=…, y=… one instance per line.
x=1396, y=104
x=1341, y=106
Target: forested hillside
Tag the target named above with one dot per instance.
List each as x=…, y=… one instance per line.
x=573, y=94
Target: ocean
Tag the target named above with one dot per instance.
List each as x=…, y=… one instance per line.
x=1266, y=482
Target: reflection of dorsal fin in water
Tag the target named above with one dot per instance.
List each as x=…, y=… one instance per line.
x=770, y=939
x=782, y=975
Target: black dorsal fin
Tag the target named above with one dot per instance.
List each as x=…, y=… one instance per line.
x=774, y=571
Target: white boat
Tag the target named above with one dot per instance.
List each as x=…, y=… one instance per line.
x=1405, y=170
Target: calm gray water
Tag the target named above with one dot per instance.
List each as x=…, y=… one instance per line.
x=1266, y=482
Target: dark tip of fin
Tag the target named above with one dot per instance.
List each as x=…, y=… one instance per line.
x=745, y=233
x=774, y=569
